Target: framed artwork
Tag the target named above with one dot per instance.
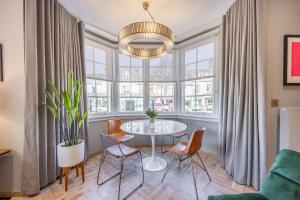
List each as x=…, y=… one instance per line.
x=291, y=75
x=1, y=64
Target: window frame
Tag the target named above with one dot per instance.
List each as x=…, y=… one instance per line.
x=109, y=76
x=212, y=38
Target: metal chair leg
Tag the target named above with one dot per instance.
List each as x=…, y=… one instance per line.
x=162, y=144
x=168, y=167
x=100, y=165
x=139, y=186
x=194, y=179
x=203, y=165
x=120, y=179
x=108, y=179
x=142, y=168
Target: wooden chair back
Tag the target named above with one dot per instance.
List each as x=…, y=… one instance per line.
x=195, y=142
x=114, y=126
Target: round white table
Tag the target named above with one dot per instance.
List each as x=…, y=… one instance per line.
x=159, y=127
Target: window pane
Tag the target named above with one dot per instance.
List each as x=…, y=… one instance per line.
x=124, y=89
x=91, y=87
x=205, y=68
x=190, y=71
x=131, y=104
x=155, y=89
x=206, y=51
x=204, y=87
x=167, y=89
x=100, y=71
x=155, y=62
x=155, y=73
x=89, y=68
x=102, y=105
x=165, y=104
x=124, y=60
x=99, y=56
x=189, y=104
x=88, y=50
x=137, y=89
x=137, y=73
x=124, y=73
x=190, y=56
x=92, y=104
x=136, y=62
x=101, y=88
x=204, y=104
x=189, y=88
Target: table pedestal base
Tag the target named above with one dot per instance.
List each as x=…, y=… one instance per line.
x=154, y=164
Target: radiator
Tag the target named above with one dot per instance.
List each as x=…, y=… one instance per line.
x=289, y=134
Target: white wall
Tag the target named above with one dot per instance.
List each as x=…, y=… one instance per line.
x=12, y=89
x=282, y=17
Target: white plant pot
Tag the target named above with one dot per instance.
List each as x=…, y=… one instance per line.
x=71, y=155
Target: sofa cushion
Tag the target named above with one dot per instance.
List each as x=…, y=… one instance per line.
x=287, y=164
x=245, y=196
x=276, y=187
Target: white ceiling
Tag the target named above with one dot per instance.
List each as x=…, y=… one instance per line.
x=184, y=17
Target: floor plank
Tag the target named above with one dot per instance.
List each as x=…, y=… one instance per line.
x=178, y=184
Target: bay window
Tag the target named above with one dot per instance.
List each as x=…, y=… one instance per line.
x=131, y=85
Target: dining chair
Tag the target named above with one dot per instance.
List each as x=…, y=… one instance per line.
x=189, y=149
x=115, y=150
x=115, y=131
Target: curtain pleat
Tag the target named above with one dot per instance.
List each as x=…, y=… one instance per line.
x=53, y=46
x=242, y=96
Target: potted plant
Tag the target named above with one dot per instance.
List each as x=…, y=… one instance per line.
x=151, y=113
x=64, y=107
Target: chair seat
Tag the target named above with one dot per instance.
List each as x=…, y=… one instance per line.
x=126, y=150
x=180, y=148
x=121, y=136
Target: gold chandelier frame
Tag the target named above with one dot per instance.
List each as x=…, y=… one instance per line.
x=145, y=30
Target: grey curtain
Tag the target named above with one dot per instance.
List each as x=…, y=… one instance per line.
x=53, y=46
x=242, y=98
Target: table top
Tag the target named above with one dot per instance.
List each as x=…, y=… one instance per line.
x=4, y=151
x=159, y=127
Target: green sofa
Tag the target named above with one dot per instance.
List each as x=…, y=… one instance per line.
x=281, y=183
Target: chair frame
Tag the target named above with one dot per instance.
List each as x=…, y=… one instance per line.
x=190, y=157
x=118, y=158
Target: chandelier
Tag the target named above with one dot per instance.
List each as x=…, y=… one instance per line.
x=146, y=30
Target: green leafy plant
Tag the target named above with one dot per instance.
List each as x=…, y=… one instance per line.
x=64, y=106
x=151, y=112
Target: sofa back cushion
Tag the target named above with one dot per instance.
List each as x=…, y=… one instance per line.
x=287, y=165
x=276, y=187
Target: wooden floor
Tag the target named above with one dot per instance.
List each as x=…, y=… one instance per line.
x=178, y=184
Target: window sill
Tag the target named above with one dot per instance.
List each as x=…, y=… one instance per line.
x=104, y=117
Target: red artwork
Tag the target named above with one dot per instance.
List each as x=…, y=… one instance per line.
x=295, y=71
x=291, y=75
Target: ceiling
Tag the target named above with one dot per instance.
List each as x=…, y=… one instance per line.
x=184, y=17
